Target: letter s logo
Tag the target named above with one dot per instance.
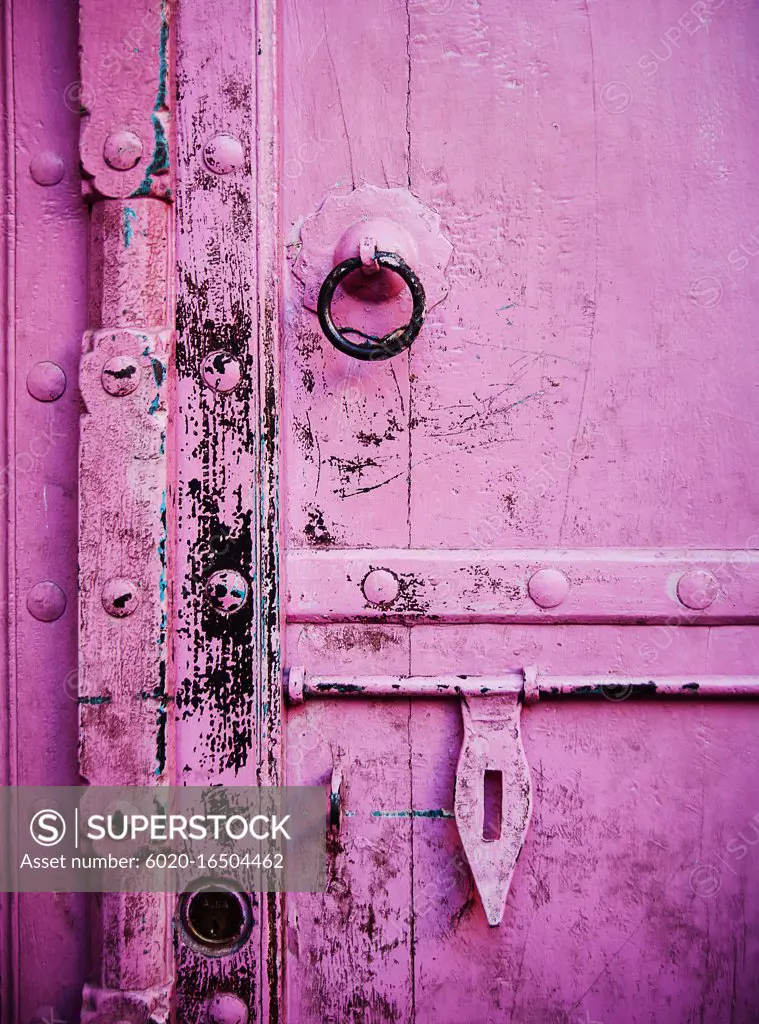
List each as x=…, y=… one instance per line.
x=47, y=828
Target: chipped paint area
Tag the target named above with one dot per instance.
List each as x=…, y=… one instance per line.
x=225, y=621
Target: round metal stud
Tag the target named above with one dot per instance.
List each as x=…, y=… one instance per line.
x=121, y=375
x=226, y=1008
x=120, y=597
x=220, y=371
x=46, y=381
x=548, y=587
x=46, y=601
x=46, y=167
x=227, y=591
x=697, y=589
x=223, y=154
x=380, y=587
x=122, y=150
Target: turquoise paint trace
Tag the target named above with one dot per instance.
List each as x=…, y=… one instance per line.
x=160, y=161
x=432, y=813
x=129, y=216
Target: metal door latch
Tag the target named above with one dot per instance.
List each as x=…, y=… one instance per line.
x=492, y=747
x=491, y=751
x=492, y=760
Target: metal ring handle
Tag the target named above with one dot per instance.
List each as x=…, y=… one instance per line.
x=374, y=348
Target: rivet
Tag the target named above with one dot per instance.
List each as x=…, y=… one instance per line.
x=226, y=1008
x=46, y=601
x=46, y=381
x=227, y=591
x=122, y=150
x=120, y=597
x=223, y=154
x=46, y=167
x=380, y=586
x=220, y=370
x=697, y=588
x=121, y=375
x=548, y=587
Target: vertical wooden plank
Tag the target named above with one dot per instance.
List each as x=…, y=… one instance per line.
x=678, y=298
x=346, y=422
x=350, y=956
x=500, y=367
x=350, y=950
x=228, y=265
x=7, y=676
x=633, y=860
x=44, y=229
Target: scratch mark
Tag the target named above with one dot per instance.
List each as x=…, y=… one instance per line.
x=592, y=332
x=322, y=37
x=373, y=487
x=339, y=98
x=644, y=918
x=318, y=453
x=518, y=980
x=486, y=414
x=398, y=389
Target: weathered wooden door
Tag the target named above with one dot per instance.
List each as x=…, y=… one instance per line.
x=492, y=582
x=556, y=474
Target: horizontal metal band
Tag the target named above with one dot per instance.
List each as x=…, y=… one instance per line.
x=636, y=586
x=531, y=685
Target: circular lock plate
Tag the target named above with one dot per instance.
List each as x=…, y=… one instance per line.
x=215, y=917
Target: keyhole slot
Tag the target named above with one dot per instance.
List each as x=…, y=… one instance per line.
x=215, y=918
x=492, y=819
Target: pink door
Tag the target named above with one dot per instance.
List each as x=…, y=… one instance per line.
x=491, y=580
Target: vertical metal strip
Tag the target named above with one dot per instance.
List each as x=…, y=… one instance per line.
x=124, y=485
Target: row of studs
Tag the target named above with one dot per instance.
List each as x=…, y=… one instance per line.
x=223, y=154
x=548, y=588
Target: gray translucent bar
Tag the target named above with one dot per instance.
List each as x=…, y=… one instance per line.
x=162, y=838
